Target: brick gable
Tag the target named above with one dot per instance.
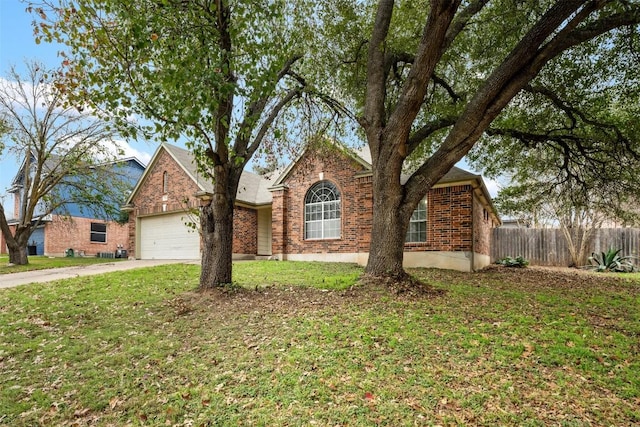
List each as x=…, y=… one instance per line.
x=288, y=204
x=151, y=199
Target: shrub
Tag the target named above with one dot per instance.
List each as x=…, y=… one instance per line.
x=513, y=262
x=611, y=261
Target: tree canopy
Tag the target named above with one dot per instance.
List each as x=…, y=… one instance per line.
x=428, y=80
x=216, y=73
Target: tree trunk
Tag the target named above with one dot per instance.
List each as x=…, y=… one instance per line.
x=387, y=245
x=16, y=242
x=216, y=223
x=389, y=228
x=18, y=254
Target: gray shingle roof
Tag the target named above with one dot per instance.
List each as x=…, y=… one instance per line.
x=252, y=188
x=454, y=175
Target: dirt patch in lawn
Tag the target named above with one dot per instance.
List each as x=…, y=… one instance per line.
x=294, y=300
x=558, y=278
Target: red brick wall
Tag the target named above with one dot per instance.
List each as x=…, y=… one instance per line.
x=482, y=228
x=288, y=231
x=245, y=231
x=63, y=233
x=364, y=212
x=449, y=220
x=151, y=199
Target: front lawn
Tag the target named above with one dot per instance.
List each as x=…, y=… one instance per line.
x=297, y=344
x=43, y=262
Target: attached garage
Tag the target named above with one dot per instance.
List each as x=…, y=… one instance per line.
x=167, y=236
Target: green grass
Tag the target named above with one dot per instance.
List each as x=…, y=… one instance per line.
x=306, y=348
x=43, y=262
x=293, y=273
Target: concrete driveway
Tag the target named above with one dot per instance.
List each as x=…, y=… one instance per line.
x=39, y=276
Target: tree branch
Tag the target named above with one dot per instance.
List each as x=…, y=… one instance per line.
x=429, y=53
x=256, y=108
x=521, y=65
x=427, y=130
x=374, y=115
x=461, y=21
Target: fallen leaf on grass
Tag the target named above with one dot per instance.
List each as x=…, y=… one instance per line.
x=528, y=350
x=114, y=401
x=79, y=413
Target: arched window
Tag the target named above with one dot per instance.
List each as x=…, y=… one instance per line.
x=322, y=211
x=165, y=182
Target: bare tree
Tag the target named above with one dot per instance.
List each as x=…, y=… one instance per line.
x=64, y=154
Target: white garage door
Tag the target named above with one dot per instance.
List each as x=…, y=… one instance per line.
x=167, y=237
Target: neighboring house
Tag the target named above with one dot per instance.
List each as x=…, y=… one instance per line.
x=318, y=208
x=514, y=223
x=72, y=226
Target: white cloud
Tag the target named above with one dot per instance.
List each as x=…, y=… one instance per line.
x=130, y=151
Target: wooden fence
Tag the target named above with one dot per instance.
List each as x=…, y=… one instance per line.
x=548, y=246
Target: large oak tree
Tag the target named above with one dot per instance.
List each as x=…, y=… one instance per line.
x=429, y=78
x=218, y=73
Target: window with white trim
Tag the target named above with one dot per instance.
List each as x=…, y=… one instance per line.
x=98, y=232
x=322, y=211
x=417, y=231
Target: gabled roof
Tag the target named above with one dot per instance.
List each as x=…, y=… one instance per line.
x=363, y=156
x=256, y=189
x=355, y=155
x=252, y=188
x=53, y=160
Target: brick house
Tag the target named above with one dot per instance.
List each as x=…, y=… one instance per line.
x=71, y=226
x=163, y=210
x=318, y=208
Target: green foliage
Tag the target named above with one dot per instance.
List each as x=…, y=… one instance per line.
x=518, y=261
x=569, y=138
x=191, y=69
x=611, y=261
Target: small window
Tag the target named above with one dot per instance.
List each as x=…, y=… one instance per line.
x=98, y=232
x=417, y=231
x=322, y=212
x=165, y=182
